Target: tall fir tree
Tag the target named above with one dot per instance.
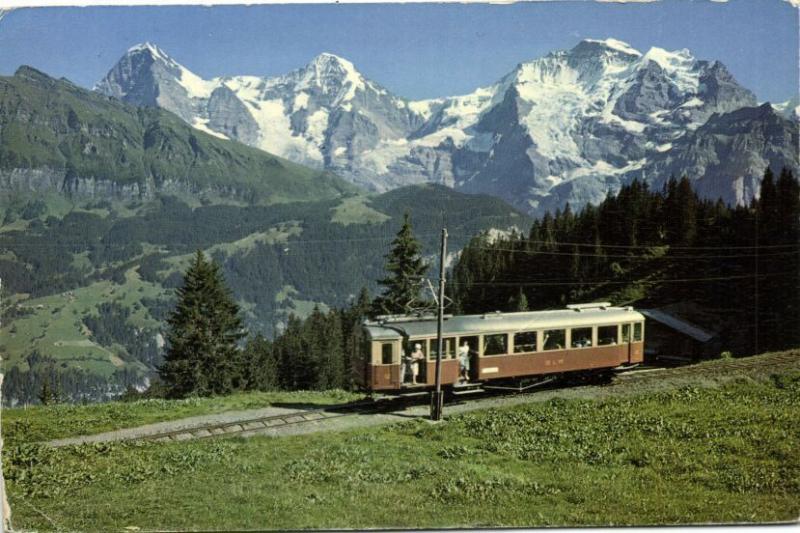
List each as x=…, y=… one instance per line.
x=47, y=395
x=788, y=192
x=203, y=357
x=352, y=333
x=295, y=364
x=685, y=216
x=261, y=365
x=406, y=268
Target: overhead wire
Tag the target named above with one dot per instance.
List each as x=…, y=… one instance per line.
x=626, y=256
x=510, y=283
x=650, y=246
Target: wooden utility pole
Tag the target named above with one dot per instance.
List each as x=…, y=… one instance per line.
x=437, y=398
x=755, y=280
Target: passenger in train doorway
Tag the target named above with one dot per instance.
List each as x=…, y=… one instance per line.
x=403, y=366
x=415, y=359
x=463, y=361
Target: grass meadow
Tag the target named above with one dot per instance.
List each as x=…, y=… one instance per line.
x=684, y=456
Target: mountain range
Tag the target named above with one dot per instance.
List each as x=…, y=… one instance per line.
x=56, y=135
x=567, y=127
x=103, y=203
x=105, y=194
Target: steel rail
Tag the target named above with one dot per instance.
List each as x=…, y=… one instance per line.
x=260, y=423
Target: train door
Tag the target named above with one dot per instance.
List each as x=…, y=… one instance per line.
x=474, y=362
x=386, y=364
x=626, y=340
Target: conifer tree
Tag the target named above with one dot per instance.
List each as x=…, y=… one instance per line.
x=202, y=356
x=686, y=212
x=788, y=206
x=405, y=267
x=353, y=336
x=291, y=352
x=332, y=368
x=261, y=365
x=316, y=346
x=46, y=395
x=767, y=209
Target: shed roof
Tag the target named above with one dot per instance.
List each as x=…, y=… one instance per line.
x=678, y=324
x=498, y=322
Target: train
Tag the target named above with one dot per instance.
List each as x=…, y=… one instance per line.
x=505, y=350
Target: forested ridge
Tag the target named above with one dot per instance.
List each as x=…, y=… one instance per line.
x=739, y=264
x=735, y=266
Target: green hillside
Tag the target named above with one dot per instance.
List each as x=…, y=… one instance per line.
x=53, y=125
x=701, y=452
x=87, y=285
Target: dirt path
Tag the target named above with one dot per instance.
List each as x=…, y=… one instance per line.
x=275, y=421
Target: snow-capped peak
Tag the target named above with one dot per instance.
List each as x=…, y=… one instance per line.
x=154, y=50
x=568, y=125
x=679, y=65
x=332, y=74
x=790, y=108
x=195, y=86
x=669, y=60
x=327, y=59
x=615, y=44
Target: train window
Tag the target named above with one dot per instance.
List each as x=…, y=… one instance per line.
x=555, y=339
x=637, y=332
x=581, y=337
x=386, y=353
x=607, y=335
x=626, y=333
x=525, y=341
x=495, y=344
x=449, y=348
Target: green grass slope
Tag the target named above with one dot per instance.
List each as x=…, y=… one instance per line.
x=52, y=124
x=683, y=456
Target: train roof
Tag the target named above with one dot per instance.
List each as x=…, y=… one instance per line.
x=574, y=316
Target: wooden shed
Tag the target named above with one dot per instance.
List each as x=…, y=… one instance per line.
x=670, y=337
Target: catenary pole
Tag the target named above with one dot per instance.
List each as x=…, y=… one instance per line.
x=437, y=399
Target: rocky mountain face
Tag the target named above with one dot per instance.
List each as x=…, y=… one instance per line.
x=568, y=127
x=729, y=152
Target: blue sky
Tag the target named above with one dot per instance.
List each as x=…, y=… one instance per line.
x=415, y=50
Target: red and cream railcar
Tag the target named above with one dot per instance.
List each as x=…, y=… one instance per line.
x=502, y=346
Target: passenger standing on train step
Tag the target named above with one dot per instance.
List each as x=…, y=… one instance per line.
x=416, y=357
x=463, y=361
x=404, y=360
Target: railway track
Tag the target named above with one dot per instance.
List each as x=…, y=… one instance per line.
x=247, y=426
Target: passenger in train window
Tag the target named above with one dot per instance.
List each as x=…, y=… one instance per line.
x=463, y=361
x=416, y=357
x=581, y=337
x=606, y=335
